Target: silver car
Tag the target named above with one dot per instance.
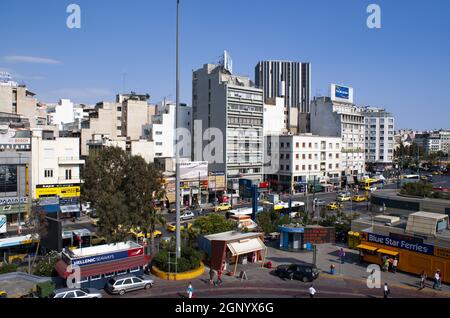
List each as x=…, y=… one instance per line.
x=188, y=215
x=121, y=285
x=77, y=293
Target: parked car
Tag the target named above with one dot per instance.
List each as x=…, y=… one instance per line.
x=123, y=284
x=77, y=293
x=97, y=240
x=302, y=272
x=224, y=206
x=334, y=206
x=188, y=215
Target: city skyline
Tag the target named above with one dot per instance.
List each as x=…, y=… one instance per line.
x=87, y=65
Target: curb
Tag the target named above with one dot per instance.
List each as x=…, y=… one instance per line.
x=179, y=276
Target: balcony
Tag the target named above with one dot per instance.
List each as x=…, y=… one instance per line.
x=70, y=161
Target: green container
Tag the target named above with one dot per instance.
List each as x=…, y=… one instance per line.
x=44, y=290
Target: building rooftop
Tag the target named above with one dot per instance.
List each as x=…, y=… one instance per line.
x=231, y=236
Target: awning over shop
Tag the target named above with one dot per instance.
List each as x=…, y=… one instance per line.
x=246, y=246
x=387, y=252
x=70, y=208
x=367, y=247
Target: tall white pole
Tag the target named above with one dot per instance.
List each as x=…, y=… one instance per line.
x=177, y=154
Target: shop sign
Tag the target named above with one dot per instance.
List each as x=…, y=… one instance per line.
x=108, y=257
x=62, y=191
x=399, y=243
x=13, y=200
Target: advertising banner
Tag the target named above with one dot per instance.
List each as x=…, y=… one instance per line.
x=10, y=141
x=108, y=257
x=399, y=243
x=13, y=200
x=61, y=190
x=194, y=170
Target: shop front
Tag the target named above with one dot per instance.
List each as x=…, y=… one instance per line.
x=229, y=249
x=59, y=198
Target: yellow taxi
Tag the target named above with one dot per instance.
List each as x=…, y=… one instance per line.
x=334, y=206
x=3, y=294
x=172, y=227
x=359, y=198
x=222, y=207
x=140, y=234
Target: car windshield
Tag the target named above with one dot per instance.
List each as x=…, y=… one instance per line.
x=111, y=281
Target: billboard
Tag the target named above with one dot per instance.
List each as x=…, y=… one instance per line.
x=15, y=140
x=2, y=224
x=13, y=200
x=60, y=190
x=108, y=257
x=194, y=170
x=400, y=243
x=341, y=93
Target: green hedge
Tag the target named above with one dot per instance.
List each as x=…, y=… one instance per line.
x=8, y=268
x=190, y=259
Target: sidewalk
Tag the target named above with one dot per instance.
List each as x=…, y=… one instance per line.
x=327, y=254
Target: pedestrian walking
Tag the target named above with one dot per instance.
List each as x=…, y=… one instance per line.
x=190, y=290
x=423, y=278
x=386, y=290
x=332, y=269
x=219, y=277
x=437, y=280
x=212, y=273
x=394, y=265
x=312, y=291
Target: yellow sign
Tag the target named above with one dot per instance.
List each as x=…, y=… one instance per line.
x=61, y=191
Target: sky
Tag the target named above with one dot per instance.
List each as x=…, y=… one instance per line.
x=404, y=66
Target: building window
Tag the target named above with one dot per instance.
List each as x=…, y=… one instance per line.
x=330, y=166
x=303, y=145
x=337, y=156
x=297, y=145
x=119, y=109
x=97, y=277
x=158, y=132
x=281, y=167
x=288, y=156
x=315, y=167
x=281, y=156
x=297, y=168
x=287, y=167
x=282, y=145
x=309, y=167
x=159, y=143
x=158, y=154
x=310, y=156
x=297, y=156
x=135, y=269
x=48, y=173
x=68, y=174
x=310, y=145
x=303, y=167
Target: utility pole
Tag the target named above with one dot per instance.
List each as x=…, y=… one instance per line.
x=177, y=153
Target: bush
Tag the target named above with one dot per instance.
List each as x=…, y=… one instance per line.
x=190, y=259
x=8, y=268
x=46, y=265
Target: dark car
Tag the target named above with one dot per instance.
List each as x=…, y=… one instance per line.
x=303, y=272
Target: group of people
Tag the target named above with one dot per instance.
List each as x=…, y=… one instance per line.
x=437, y=279
x=390, y=263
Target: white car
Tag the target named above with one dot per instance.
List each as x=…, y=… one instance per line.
x=77, y=293
x=188, y=215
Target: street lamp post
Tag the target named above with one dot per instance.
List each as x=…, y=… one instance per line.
x=177, y=154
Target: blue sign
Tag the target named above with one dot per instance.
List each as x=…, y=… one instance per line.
x=400, y=243
x=342, y=92
x=108, y=257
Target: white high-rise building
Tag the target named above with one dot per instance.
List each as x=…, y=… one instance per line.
x=232, y=105
x=338, y=116
x=380, y=131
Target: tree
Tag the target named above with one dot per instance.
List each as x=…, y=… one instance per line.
x=269, y=221
x=122, y=189
x=142, y=188
x=212, y=224
x=39, y=223
x=46, y=265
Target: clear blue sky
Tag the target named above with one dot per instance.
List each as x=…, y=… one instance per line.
x=405, y=66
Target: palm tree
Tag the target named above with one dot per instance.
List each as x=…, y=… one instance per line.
x=155, y=218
